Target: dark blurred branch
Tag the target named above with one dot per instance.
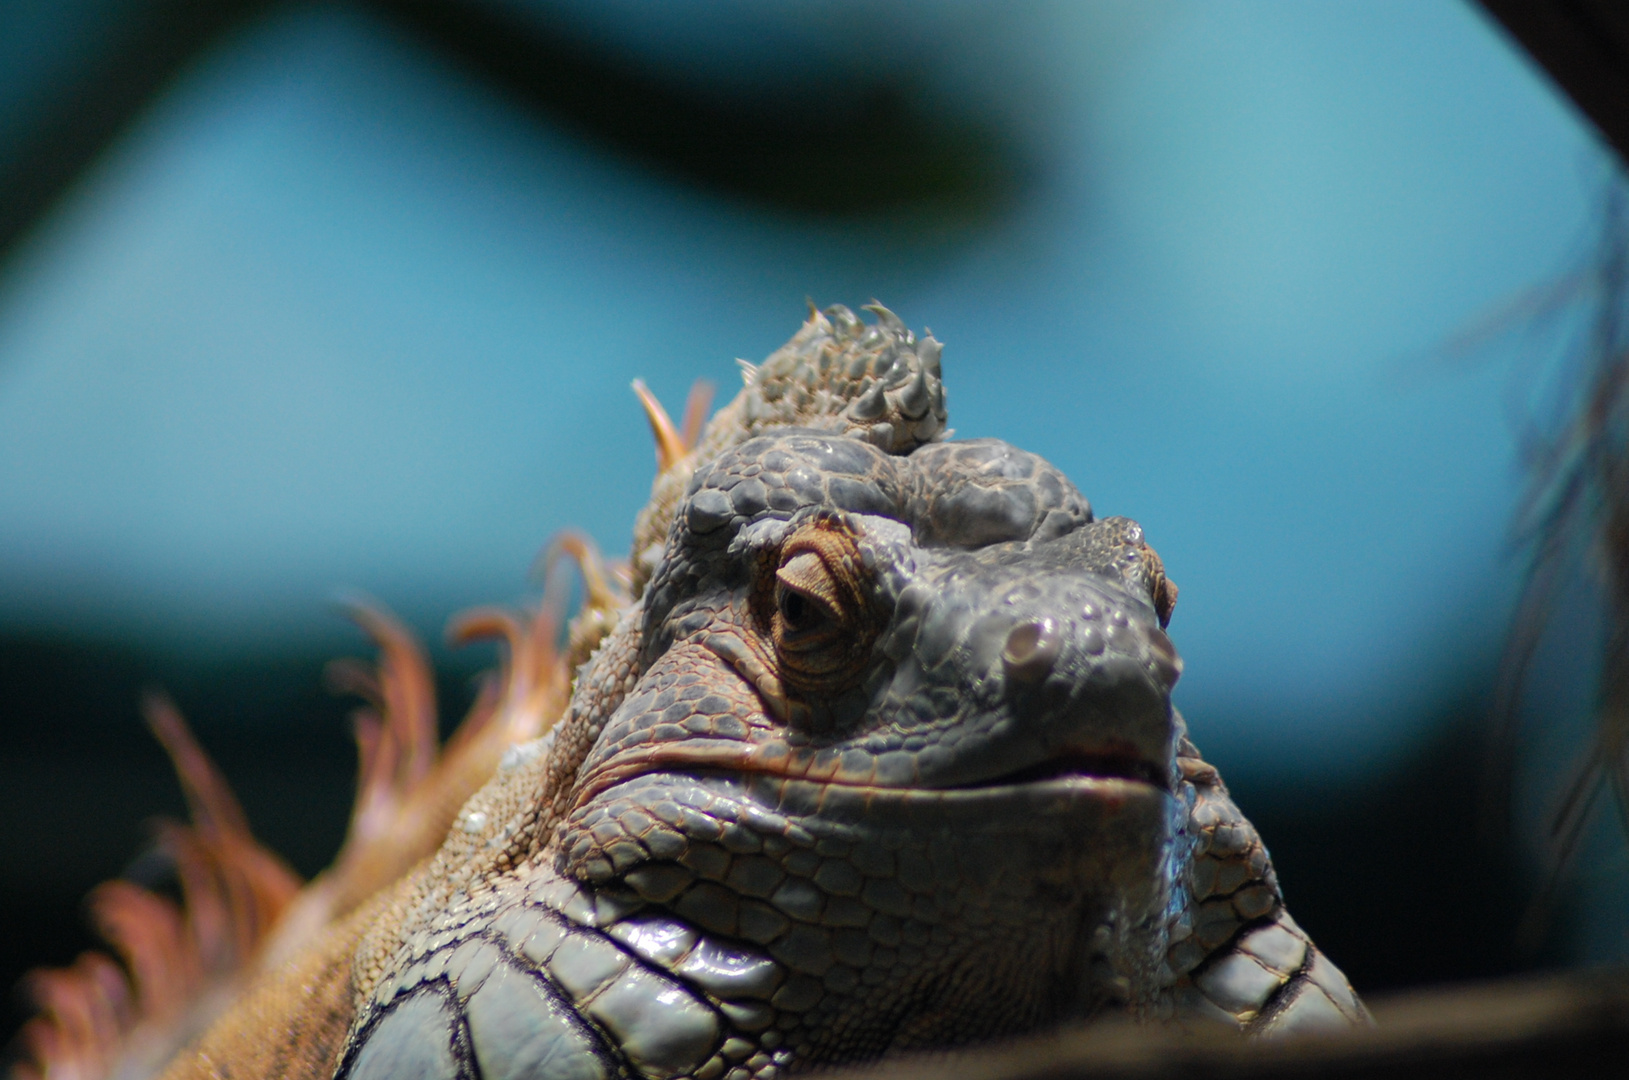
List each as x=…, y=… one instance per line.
x=838, y=150
x=1584, y=45
x=856, y=151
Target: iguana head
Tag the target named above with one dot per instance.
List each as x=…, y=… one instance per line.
x=903, y=721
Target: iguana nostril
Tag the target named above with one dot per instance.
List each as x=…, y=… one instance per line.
x=1031, y=649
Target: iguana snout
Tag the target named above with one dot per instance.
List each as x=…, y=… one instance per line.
x=1026, y=660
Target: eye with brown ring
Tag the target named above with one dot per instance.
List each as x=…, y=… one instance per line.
x=821, y=620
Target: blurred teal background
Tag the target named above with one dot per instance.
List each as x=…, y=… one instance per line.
x=336, y=309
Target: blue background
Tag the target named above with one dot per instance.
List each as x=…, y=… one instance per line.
x=334, y=314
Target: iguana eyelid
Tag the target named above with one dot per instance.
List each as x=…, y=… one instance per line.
x=806, y=575
x=821, y=562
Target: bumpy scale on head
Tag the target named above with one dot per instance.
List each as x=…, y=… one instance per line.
x=878, y=382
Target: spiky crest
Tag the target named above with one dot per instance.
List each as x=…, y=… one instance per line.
x=242, y=910
x=177, y=963
x=876, y=381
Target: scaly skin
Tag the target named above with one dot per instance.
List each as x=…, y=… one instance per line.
x=881, y=756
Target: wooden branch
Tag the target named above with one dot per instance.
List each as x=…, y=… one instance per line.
x=1570, y=1025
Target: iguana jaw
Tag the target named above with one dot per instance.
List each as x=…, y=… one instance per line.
x=1040, y=881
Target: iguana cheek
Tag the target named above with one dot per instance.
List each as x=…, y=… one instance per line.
x=748, y=657
x=688, y=709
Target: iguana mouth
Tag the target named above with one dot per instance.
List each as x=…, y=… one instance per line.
x=772, y=760
x=1083, y=764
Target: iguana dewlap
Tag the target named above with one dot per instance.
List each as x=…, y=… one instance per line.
x=880, y=756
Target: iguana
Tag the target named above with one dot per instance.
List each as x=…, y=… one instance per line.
x=869, y=748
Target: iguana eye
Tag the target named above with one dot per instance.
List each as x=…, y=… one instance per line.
x=796, y=612
x=823, y=623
